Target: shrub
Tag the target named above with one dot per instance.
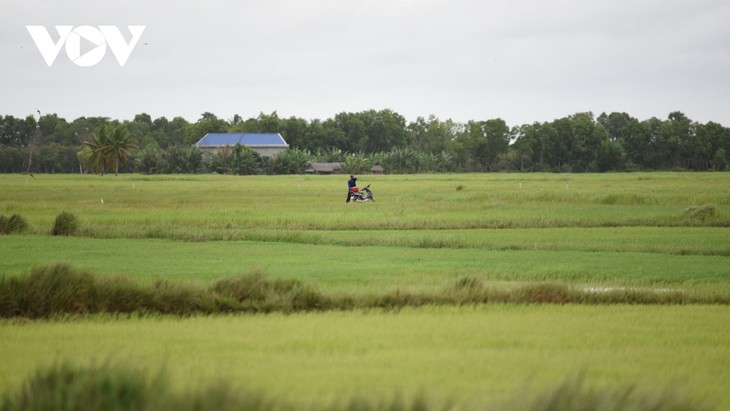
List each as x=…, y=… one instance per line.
x=15, y=224
x=65, y=224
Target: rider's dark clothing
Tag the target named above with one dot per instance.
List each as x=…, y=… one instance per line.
x=351, y=183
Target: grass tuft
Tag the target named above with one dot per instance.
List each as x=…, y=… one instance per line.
x=545, y=293
x=15, y=224
x=65, y=224
x=703, y=213
x=254, y=292
x=58, y=288
x=467, y=290
x=98, y=388
x=574, y=394
x=62, y=289
x=106, y=387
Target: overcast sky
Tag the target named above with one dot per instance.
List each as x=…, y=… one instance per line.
x=519, y=60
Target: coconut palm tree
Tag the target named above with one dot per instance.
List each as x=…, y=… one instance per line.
x=99, y=145
x=110, y=149
x=121, y=144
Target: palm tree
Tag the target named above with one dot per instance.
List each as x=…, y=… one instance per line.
x=121, y=143
x=99, y=144
x=110, y=149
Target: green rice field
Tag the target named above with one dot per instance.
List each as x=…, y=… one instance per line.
x=654, y=232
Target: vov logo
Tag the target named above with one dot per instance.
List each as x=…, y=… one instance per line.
x=98, y=37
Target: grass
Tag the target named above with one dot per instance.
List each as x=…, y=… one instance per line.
x=369, y=268
x=474, y=355
x=13, y=224
x=65, y=224
x=207, y=207
x=58, y=290
x=193, y=241
x=121, y=388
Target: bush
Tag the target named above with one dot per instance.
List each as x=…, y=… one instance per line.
x=15, y=224
x=65, y=224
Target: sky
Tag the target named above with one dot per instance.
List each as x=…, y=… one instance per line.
x=523, y=61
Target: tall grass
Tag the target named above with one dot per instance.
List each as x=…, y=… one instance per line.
x=106, y=387
x=61, y=289
x=65, y=224
x=704, y=213
x=574, y=394
x=13, y=224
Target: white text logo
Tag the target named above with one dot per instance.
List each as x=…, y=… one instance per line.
x=97, y=38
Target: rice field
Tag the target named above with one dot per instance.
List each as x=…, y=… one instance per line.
x=655, y=231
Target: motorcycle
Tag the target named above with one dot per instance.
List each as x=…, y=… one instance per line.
x=365, y=195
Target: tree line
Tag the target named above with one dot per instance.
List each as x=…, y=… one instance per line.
x=577, y=143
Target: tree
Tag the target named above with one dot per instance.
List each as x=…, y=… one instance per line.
x=99, y=145
x=294, y=131
x=291, y=161
x=353, y=128
x=150, y=161
x=524, y=146
x=57, y=130
x=174, y=131
x=11, y=159
x=244, y=161
x=677, y=134
x=432, y=135
x=609, y=153
x=325, y=135
x=17, y=132
x=220, y=161
x=385, y=129
x=110, y=149
x=356, y=163
x=719, y=160
x=585, y=141
x=486, y=140
x=208, y=123
x=121, y=144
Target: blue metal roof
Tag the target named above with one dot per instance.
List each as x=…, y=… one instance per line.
x=246, y=139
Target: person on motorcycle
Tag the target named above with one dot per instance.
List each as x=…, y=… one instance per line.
x=351, y=187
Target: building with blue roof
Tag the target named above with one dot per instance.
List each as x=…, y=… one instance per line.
x=265, y=144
